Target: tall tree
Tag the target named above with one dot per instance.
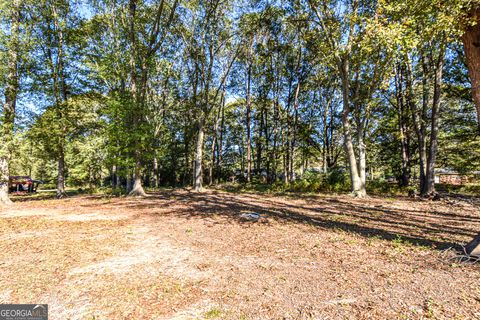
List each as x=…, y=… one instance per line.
x=11, y=92
x=360, y=64
x=471, y=44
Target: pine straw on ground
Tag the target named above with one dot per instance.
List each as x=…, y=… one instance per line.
x=183, y=255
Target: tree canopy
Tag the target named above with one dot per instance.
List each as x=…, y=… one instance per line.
x=333, y=94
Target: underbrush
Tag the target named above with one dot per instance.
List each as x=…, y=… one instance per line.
x=314, y=182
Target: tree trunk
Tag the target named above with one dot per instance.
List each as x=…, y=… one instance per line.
x=117, y=180
x=432, y=151
x=402, y=123
x=274, y=153
x=362, y=161
x=4, y=176
x=419, y=120
x=294, y=134
x=423, y=127
x=136, y=87
x=114, y=177
x=249, y=142
x=358, y=186
x=61, y=176
x=198, y=178
x=60, y=93
x=11, y=91
x=473, y=247
x=156, y=180
x=212, y=162
x=471, y=44
x=220, y=140
x=128, y=183
x=137, y=190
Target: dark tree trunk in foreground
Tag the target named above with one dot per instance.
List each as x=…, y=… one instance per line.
x=11, y=90
x=471, y=44
x=473, y=247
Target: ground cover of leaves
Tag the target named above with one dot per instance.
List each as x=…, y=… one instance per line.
x=183, y=255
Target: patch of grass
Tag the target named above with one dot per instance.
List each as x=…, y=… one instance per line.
x=213, y=313
x=399, y=242
x=429, y=308
x=371, y=240
x=400, y=245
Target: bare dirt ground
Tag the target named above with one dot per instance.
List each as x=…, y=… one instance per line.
x=183, y=255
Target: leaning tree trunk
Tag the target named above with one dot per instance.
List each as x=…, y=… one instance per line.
x=11, y=90
x=471, y=44
x=473, y=247
x=198, y=179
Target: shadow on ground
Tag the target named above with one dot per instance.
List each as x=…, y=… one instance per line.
x=420, y=223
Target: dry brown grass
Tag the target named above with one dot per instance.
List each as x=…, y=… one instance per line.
x=181, y=255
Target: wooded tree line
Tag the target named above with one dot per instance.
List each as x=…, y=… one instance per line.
x=133, y=93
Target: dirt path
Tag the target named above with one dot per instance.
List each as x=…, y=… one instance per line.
x=180, y=255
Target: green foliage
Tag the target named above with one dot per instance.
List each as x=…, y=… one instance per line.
x=120, y=89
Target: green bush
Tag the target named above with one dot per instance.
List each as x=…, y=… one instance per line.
x=338, y=180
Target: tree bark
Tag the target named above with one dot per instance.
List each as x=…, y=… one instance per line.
x=156, y=179
x=400, y=95
x=118, y=183
x=294, y=133
x=198, y=178
x=419, y=120
x=220, y=139
x=128, y=183
x=432, y=151
x=113, y=182
x=11, y=91
x=358, y=186
x=471, y=45
x=136, y=92
x=248, y=116
x=473, y=247
x=137, y=190
x=61, y=175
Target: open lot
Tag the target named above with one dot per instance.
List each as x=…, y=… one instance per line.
x=184, y=255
